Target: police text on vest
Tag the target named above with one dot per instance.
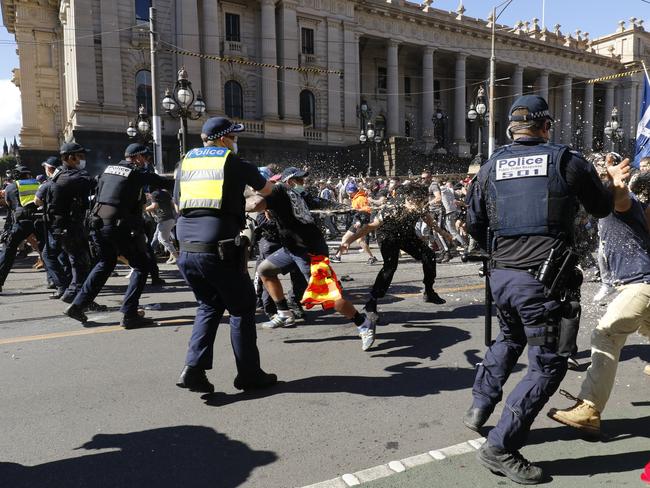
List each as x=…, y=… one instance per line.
x=522, y=167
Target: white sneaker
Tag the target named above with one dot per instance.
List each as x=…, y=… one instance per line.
x=279, y=321
x=367, y=336
x=603, y=292
x=171, y=260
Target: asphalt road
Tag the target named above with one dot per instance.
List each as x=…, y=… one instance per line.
x=97, y=406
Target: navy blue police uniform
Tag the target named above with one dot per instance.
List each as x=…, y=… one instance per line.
x=209, y=191
x=117, y=229
x=527, y=194
x=68, y=195
x=19, y=196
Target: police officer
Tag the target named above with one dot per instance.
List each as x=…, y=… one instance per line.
x=117, y=225
x=209, y=191
x=527, y=195
x=67, y=202
x=19, y=196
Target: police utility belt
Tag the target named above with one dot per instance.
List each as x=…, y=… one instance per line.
x=227, y=249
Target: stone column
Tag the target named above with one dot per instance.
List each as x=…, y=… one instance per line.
x=542, y=85
x=289, y=87
x=460, y=101
x=334, y=39
x=211, y=26
x=567, y=111
x=351, y=78
x=85, y=61
x=517, y=82
x=392, y=68
x=269, y=55
x=588, y=118
x=188, y=19
x=427, y=92
x=111, y=57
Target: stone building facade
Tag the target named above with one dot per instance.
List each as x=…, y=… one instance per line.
x=84, y=70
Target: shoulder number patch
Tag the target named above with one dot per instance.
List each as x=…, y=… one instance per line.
x=522, y=167
x=118, y=171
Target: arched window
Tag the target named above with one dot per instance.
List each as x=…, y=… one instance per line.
x=143, y=89
x=234, y=100
x=142, y=10
x=308, y=108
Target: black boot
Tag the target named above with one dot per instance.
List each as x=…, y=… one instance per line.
x=476, y=417
x=261, y=380
x=430, y=296
x=75, y=312
x=510, y=464
x=194, y=379
x=95, y=307
x=135, y=321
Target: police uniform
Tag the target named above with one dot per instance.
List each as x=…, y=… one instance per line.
x=19, y=196
x=117, y=229
x=67, y=203
x=527, y=194
x=209, y=191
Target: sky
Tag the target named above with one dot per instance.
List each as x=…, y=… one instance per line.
x=598, y=17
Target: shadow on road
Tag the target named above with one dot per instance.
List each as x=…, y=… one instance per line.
x=641, y=351
x=182, y=456
x=612, y=430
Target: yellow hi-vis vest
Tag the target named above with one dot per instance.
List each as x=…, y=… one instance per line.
x=27, y=191
x=201, y=178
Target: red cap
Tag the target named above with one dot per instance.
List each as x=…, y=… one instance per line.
x=275, y=178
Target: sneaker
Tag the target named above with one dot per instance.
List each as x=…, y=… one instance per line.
x=262, y=380
x=368, y=335
x=430, y=296
x=171, y=260
x=511, y=464
x=194, y=379
x=279, y=321
x=581, y=416
x=371, y=261
x=335, y=259
x=603, y=292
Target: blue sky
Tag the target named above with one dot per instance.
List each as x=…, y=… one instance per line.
x=598, y=17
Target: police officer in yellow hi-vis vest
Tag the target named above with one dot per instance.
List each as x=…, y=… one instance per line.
x=20, y=197
x=209, y=192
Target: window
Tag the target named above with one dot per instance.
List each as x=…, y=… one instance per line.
x=407, y=86
x=143, y=89
x=436, y=90
x=382, y=79
x=307, y=40
x=232, y=28
x=308, y=108
x=142, y=10
x=234, y=100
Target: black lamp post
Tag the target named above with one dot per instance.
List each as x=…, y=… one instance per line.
x=613, y=130
x=371, y=136
x=478, y=113
x=141, y=126
x=438, y=120
x=181, y=103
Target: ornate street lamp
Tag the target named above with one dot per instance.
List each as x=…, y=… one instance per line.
x=141, y=126
x=614, y=131
x=181, y=103
x=438, y=120
x=371, y=136
x=478, y=113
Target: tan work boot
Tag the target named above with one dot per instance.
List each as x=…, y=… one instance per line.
x=581, y=416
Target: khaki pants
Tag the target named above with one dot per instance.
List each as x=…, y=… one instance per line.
x=628, y=313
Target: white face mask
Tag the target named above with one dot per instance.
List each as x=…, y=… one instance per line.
x=235, y=148
x=82, y=164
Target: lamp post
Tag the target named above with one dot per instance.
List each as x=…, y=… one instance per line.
x=371, y=136
x=141, y=126
x=438, y=120
x=614, y=131
x=478, y=113
x=181, y=103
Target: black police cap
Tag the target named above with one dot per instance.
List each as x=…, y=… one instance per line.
x=136, y=149
x=535, y=105
x=216, y=127
x=22, y=170
x=52, y=161
x=293, y=172
x=72, y=148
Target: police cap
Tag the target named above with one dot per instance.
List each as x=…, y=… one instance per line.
x=22, y=170
x=535, y=105
x=52, y=161
x=72, y=148
x=136, y=149
x=293, y=172
x=216, y=127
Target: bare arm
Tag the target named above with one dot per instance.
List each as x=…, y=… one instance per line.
x=266, y=191
x=618, y=176
x=150, y=208
x=429, y=220
x=362, y=232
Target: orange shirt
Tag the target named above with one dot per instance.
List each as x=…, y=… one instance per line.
x=360, y=202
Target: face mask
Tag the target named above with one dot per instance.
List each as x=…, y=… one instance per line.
x=299, y=188
x=235, y=148
x=82, y=164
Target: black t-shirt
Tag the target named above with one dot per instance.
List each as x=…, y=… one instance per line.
x=298, y=231
x=397, y=223
x=210, y=226
x=165, y=210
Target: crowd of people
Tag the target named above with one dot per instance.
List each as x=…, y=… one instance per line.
x=521, y=211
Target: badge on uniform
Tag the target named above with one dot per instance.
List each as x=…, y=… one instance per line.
x=118, y=171
x=521, y=167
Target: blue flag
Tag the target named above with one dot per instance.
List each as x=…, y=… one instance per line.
x=642, y=149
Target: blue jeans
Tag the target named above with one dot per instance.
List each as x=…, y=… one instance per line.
x=20, y=231
x=521, y=308
x=219, y=286
x=57, y=264
x=112, y=241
